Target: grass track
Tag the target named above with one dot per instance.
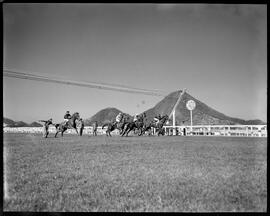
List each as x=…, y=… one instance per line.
x=183, y=174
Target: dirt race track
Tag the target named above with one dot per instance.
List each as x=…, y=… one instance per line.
x=182, y=174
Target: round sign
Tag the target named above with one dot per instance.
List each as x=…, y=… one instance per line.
x=191, y=105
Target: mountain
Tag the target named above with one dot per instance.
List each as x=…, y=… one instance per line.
x=20, y=124
x=103, y=116
x=8, y=122
x=35, y=124
x=201, y=115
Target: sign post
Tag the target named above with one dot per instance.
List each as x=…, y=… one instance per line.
x=191, y=106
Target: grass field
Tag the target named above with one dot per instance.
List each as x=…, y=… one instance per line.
x=175, y=174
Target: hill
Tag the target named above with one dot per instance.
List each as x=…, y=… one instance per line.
x=20, y=124
x=35, y=124
x=103, y=116
x=8, y=122
x=202, y=114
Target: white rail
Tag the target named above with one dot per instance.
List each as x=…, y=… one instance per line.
x=197, y=130
x=219, y=130
x=87, y=130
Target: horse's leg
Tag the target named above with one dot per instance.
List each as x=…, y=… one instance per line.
x=56, y=133
x=128, y=131
x=77, y=131
x=123, y=132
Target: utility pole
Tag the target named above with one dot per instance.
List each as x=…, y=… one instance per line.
x=172, y=114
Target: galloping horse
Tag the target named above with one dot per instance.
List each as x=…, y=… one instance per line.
x=111, y=127
x=62, y=127
x=116, y=125
x=134, y=125
x=158, y=127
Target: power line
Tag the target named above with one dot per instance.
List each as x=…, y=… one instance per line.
x=103, y=86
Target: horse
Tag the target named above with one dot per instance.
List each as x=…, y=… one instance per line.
x=148, y=126
x=134, y=125
x=158, y=126
x=116, y=125
x=62, y=127
x=95, y=126
x=111, y=127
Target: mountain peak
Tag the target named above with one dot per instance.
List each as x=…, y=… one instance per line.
x=201, y=115
x=103, y=116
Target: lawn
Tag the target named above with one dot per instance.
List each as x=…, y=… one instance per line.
x=157, y=174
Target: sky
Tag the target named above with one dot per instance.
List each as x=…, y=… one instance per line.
x=218, y=52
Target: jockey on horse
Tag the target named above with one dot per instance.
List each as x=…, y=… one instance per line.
x=67, y=116
x=138, y=122
x=157, y=119
x=157, y=124
x=69, y=123
x=119, y=117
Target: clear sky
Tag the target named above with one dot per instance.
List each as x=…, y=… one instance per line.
x=217, y=52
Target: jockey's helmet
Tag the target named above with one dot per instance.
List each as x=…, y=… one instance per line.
x=50, y=119
x=67, y=112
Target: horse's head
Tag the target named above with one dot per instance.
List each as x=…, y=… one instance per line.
x=164, y=118
x=75, y=116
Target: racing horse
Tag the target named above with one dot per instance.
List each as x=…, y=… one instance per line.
x=158, y=126
x=62, y=127
x=134, y=125
x=116, y=125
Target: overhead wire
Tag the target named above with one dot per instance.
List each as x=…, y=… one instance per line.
x=103, y=86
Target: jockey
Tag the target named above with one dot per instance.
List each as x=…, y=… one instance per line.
x=67, y=116
x=119, y=117
x=157, y=118
x=136, y=117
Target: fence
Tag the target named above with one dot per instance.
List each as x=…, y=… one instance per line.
x=198, y=130
x=219, y=130
x=52, y=129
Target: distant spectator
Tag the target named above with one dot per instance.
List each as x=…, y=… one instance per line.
x=95, y=126
x=184, y=131
x=46, y=127
x=80, y=126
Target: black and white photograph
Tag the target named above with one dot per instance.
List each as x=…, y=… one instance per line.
x=134, y=107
